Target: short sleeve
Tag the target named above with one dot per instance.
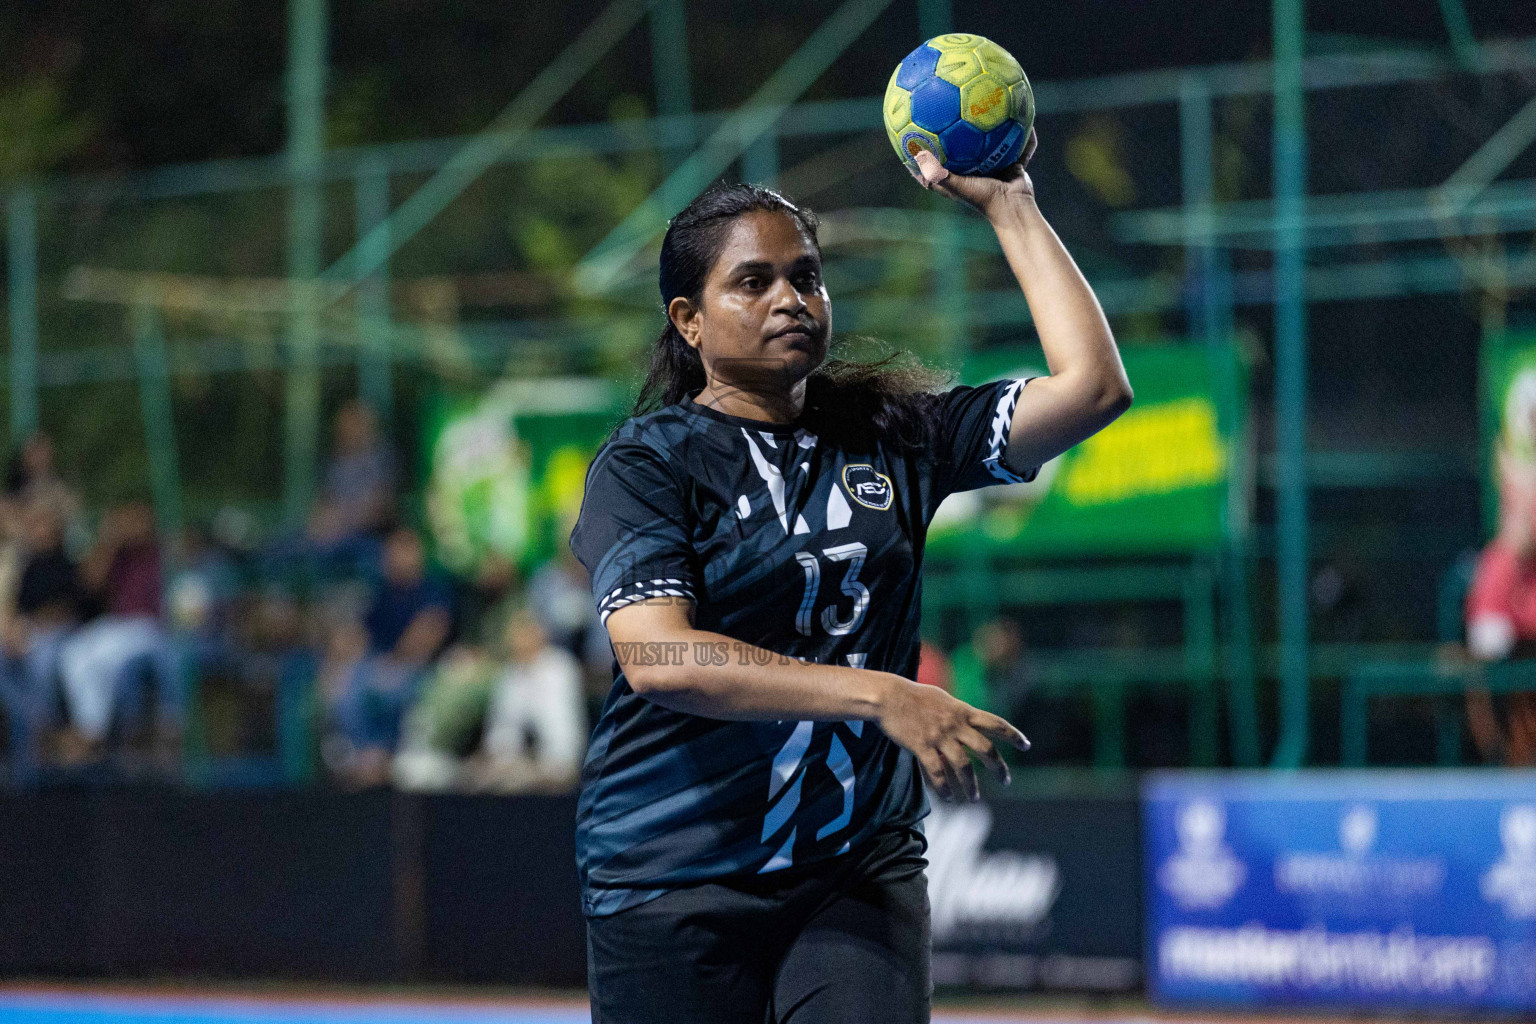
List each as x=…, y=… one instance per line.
x=1493, y=584
x=633, y=534
x=971, y=437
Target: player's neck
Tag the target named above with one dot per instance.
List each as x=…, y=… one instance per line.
x=766, y=407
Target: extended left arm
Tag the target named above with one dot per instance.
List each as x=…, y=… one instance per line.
x=1087, y=387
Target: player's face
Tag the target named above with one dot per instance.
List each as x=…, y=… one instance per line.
x=764, y=319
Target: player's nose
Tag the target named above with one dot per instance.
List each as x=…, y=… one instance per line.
x=787, y=298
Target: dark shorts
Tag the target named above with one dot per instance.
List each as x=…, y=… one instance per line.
x=843, y=941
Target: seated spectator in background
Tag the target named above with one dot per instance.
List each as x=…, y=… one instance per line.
x=989, y=669
x=1501, y=602
x=13, y=555
x=1501, y=615
x=202, y=593
x=561, y=598
x=45, y=605
x=357, y=496
x=535, y=727
x=405, y=627
x=107, y=663
x=32, y=479
x=481, y=596
x=444, y=726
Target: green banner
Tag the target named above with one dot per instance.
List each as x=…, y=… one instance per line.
x=506, y=469
x=1154, y=481
x=1508, y=418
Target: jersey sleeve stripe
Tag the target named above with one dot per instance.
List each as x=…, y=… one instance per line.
x=629, y=593
x=1002, y=420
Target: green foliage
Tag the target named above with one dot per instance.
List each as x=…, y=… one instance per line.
x=37, y=131
x=569, y=200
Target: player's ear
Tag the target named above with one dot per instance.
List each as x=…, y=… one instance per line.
x=685, y=317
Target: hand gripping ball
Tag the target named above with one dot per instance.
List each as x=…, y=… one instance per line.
x=964, y=99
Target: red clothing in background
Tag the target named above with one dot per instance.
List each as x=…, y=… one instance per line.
x=1504, y=585
x=133, y=582
x=933, y=667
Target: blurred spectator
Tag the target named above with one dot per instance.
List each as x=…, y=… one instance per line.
x=342, y=540
x=357, y=497
x=481, y=599
x=1501, y=616
x=107, y=664
x=44, y=606
x=12, y=557
x=31, y=478
x=1501, y=603
x=994, y=671
x=989, y=669
x=203, y=603
x=408, y=617
x=561, y=598
x=933, y=668
x=377, y=670
x=445, y=724
x=535, y=727
x=202, y=592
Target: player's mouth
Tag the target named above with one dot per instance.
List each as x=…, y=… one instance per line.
x=806, y=335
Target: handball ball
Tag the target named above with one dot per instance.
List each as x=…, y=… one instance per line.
x=964, y=99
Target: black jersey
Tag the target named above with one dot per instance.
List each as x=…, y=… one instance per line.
x=786, y=541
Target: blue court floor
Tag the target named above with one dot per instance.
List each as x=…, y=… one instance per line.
x=36, y=1004
x=80, y=1007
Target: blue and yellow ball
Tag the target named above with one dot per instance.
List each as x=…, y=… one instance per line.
x=964, y=99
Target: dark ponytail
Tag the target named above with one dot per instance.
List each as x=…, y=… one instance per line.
x=887, y=398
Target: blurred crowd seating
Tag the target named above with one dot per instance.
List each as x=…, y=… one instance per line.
x=340, y=653
x=337, y=652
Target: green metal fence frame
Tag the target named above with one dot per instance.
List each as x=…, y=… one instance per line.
x=978, y=588
x=1293, y=223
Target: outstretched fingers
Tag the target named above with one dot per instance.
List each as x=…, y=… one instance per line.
x=998, y=730
x=987, y=754
x=962, y=777
x=937, y=773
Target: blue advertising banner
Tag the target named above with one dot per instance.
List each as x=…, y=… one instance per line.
x=1365, y=889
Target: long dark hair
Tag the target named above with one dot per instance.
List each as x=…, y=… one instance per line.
x=884, y=398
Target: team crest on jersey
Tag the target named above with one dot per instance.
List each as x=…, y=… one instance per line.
x=867, y=487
